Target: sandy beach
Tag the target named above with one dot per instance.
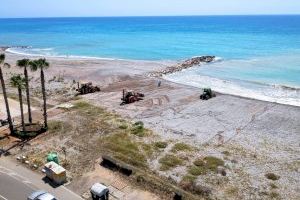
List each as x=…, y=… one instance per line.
x=253, y=137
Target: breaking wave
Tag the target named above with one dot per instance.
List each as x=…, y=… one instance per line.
x=255, y=89
x=48, y=52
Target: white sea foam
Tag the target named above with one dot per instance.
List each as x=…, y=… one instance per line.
x=49, y=52
x=277, y=94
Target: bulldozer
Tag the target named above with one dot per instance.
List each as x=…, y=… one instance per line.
x=131, y=97
x=86, y=88
x=207, y=94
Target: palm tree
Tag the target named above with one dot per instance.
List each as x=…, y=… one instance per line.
x=24, y=63
x=3, y=64
x=34, y=66
x=18, y=81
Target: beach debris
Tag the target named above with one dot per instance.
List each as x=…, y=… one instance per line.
x=131, y=97
x=207, y=94
x=159, y=83
x=86, y=88
x=195, y=61
x=65, y=106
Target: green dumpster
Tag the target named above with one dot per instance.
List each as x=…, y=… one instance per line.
x=52, y=157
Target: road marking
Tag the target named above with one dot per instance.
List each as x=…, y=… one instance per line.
x=3, y=197
x=14, y=176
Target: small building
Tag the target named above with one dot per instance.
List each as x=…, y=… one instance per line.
x=55, y=172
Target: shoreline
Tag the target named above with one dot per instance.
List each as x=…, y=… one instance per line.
x=169, y=67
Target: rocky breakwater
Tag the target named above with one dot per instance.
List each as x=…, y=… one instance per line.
x=4, y=48
x=195, y=61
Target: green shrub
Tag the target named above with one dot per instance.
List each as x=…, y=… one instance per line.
x=138, y=129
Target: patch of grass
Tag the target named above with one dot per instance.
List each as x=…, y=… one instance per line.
x=187, y=182
x=58, y=126
x=272, y=176
x=189, y=178
x=274, y=195
x=161, y=145
x=138, y=129
x=197, y=171
x=169, y=161
x=212, y=162
x=181, y=147
x=122, y=147
x=202, y=166
x=148, y=149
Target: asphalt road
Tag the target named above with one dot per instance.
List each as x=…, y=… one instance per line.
x=13, y=187
x=17, y=183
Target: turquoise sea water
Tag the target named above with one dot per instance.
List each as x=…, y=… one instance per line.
x=259, y=55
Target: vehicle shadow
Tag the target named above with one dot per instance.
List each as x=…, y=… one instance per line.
x=50, y=182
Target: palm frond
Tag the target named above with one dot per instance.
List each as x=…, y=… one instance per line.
x=23, y=63
x=17, y=81
x=33, y=65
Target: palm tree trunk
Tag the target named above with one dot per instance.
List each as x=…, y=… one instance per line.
x=21, y=108
x=27, y=95
x=44, y=98
x=11, y=127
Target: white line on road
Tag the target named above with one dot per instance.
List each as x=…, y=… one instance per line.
x=3, y=197
x=18, y=179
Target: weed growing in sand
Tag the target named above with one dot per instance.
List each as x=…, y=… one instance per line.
x=181, y=147
x=170, y=161
x=273, y=186
x=138, y=129
x=161, y=145
x=272, y=176
x=274, y=195
x=58, y=126
x=197, y=171
x=123, y=126
x=212, y=162
x=205, y=165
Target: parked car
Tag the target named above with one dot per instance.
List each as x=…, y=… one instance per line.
x=41, y=195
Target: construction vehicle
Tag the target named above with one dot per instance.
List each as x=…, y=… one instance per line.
x=207, y=94
x=131, y=97
x=86, y=88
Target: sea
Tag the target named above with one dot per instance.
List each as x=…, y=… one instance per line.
x=257, y=56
